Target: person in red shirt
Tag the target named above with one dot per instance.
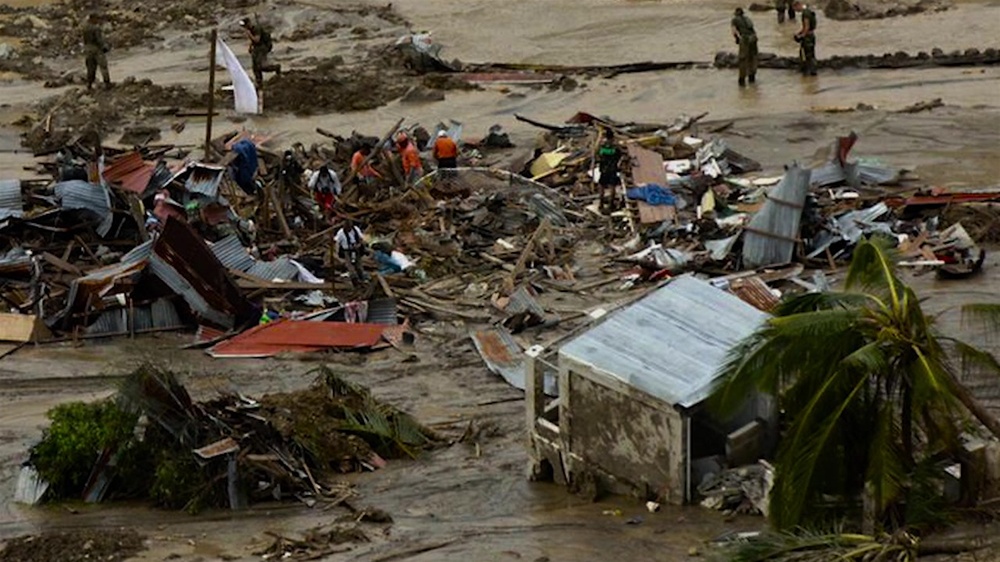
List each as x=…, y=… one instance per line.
x=413, y=168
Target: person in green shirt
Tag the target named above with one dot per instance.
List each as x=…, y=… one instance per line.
x=608, y=158
x=95, y=50
x=746, y=38
x=806, y=37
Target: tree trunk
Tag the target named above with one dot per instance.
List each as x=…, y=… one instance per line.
x=975, y=408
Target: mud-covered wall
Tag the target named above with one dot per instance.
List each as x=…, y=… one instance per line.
x=637, y=439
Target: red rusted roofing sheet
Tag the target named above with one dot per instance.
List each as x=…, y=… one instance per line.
x=299, y=336
x=755, y=292
x=130, y=172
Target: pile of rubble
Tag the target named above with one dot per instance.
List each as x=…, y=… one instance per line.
x=229, y=451
x=130, y=241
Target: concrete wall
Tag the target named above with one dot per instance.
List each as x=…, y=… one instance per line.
x=622, y=432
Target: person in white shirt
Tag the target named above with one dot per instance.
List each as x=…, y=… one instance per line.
x=325, y=185
x=351, y=248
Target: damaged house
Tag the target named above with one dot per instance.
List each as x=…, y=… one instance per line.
x=630, y=412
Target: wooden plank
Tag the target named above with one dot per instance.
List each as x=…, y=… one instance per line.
x=62, y=264
x=22, y=328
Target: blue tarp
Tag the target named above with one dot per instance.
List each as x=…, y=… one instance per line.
x=653, y=194
x=245, y=166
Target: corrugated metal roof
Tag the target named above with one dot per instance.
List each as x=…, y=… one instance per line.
x=382, y=311
x=10, y=199
x=299, y=336
x=501, y=353
x=160, y=315
x=671, y=343
x=78, y=194
x=773, y=232
x=523, y=300
x=232, y=254
x=129, y=172
x=280, y=268
x=204, y=179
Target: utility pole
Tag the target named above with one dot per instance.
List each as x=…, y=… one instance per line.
x=211, y=95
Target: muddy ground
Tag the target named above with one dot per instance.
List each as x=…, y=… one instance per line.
x=464, y=501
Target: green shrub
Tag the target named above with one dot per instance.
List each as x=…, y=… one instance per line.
x=71, y=445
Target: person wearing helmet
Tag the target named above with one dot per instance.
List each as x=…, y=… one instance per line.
x=746, y=38
x=413, y=168
x=445, y=151
x=806, y=37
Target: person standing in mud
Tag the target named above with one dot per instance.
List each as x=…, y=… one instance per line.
x=446, y=154
x=746, y=38
x=608, y=158
x=806, y=37
x=95, y=49
x=785, y=5
x=351, y=248
x=261, y=45
x=413, y=168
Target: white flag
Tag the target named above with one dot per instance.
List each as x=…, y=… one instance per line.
x=243, y=88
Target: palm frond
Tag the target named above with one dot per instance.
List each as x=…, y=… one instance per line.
x=983, y=316
x=887, y=471
x=800, y=465
x=872, y=269
x=812, y=302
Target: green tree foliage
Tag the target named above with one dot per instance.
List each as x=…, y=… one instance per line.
x=868, y=387
x=72, y=444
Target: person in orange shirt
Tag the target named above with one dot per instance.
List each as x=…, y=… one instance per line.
x=366, y=174
x=445, y=151
x=413, y=168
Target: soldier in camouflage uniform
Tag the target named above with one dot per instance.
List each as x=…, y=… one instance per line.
x=95, y=51
x=782, y=6
x=806, y=38
x=261, y=45
x=746, y=38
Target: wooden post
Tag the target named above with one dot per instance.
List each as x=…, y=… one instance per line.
x=211, y=96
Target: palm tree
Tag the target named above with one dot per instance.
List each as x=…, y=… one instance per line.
x=869, y=389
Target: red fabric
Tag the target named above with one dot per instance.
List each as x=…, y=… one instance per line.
x=324, y=200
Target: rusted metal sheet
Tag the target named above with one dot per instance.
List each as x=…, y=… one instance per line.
x=299, y=336
x=130, y=173
x=755, y=292
x=185, y=264
x=647, y=166
x=501, y=353
x=204, y=179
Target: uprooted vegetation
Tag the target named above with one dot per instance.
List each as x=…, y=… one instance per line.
x=229, y=451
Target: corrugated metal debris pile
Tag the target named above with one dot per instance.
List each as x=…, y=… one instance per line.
x=226, y=452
